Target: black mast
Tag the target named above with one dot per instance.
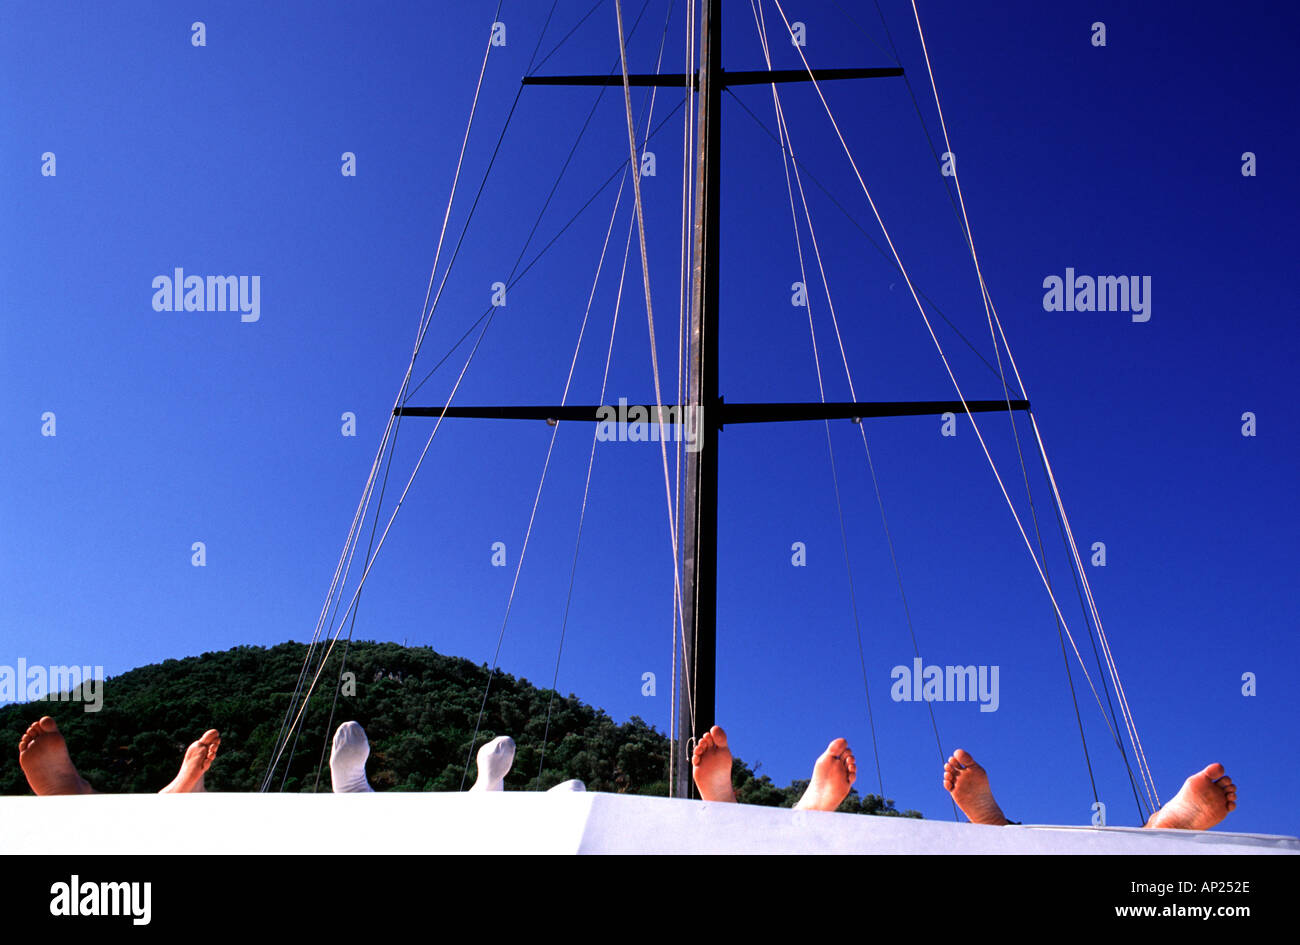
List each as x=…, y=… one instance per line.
x=696, y=694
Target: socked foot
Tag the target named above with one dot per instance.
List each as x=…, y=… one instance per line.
x=348, y=757
x=198, y=758
x=494, y=761
x=711, y=766
x=968, y=783
x=833, y=775
x=1204, y=800
x=43, y=756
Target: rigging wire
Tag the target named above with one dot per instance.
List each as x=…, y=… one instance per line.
x=343, y=662
x=787, y=148
x=959, y=214
x=513, y=277
x=939, y=347
x=647, y=115
x=654, y=351
x=964, y=227
x=1119, y=743
x=673, y=507
x=586, y=489
x=537, y=498
x=516, y=278
x=686, y=257
x=1092, y=604
x=610, y=179
x=426, y=319
x=878, y=248
x=564, y=39
x=390, y=429
x=366, y=573
x=987, y=300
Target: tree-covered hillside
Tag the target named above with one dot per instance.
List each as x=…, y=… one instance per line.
x=417, y=707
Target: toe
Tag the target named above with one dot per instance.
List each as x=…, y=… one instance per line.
x=719, y=736
x=962, y=757
x=1214, y=771
x=703, y=745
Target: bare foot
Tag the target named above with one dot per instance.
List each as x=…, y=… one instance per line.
x=198, y=758
x=1205, y=799
x=968, y=783
x=43, y=755
x=833, y=775
x=711, y=764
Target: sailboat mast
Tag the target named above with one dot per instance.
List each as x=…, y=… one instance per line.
x=696, y=678
x=696, y=681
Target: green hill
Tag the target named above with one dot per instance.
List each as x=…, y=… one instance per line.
x=418, y=709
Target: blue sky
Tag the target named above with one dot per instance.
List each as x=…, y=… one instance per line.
x=177, y=427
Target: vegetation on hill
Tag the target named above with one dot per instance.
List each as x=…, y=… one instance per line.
x=418, y=709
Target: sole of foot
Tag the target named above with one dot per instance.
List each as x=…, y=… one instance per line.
x=711, y=766
x=833, y=775
x=198, y=759
x=968, y=783
x=43, y=756
x=1203, y=801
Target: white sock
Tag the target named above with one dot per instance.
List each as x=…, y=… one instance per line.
x=348, y=760
x=494, y=761
x=566, y=786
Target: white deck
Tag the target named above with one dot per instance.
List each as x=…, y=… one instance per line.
x=523, y=822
